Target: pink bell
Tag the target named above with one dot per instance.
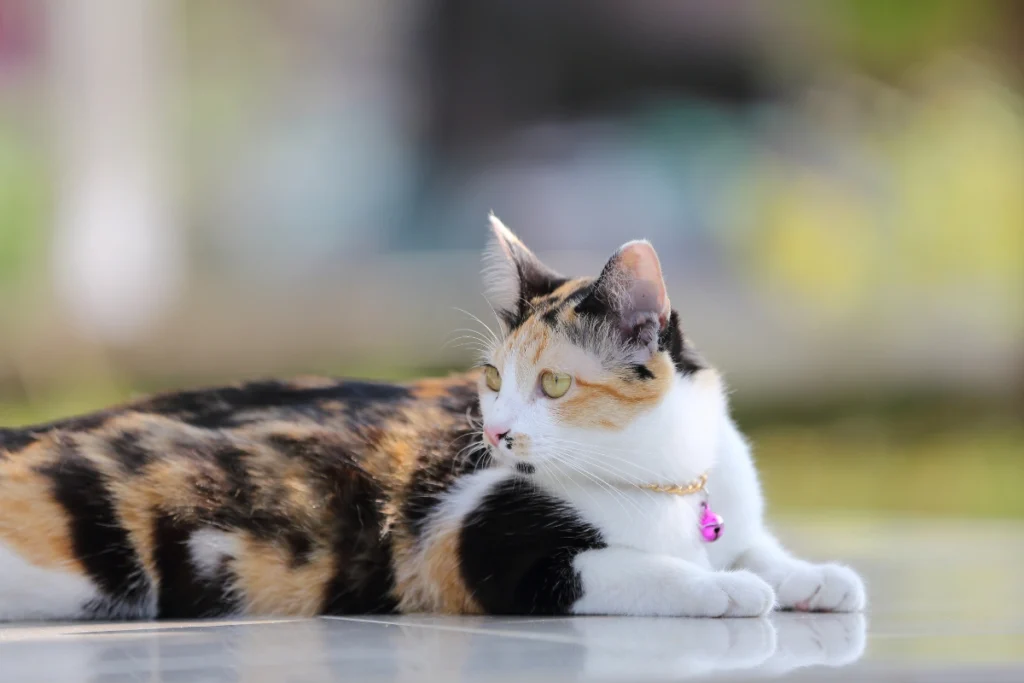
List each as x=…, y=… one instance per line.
x=710, y=524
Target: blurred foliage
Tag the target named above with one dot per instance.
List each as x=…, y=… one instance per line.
x=24, y=204
x=884, y=36
x=926, y=196
x=959, y=470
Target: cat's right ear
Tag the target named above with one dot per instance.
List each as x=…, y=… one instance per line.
x=513, y=275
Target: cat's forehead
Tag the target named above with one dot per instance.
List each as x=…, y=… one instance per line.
x=559, y=307
x=551, y=330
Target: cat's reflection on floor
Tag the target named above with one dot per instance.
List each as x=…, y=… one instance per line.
x=419, y=648
x=660, y=648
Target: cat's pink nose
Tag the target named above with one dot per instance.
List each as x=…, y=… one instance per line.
x=495, y=434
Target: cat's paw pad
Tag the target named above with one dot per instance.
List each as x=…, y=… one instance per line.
x=822, y=588
x=747, y=595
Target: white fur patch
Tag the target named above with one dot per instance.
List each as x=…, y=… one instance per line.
x=625, y=581
x=464, y=497
x=209, y=547
x=28, y=592
x=501, y=279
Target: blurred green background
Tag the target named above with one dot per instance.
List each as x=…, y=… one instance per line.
x=196, y=192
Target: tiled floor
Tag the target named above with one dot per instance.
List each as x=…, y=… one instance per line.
x=947, y=603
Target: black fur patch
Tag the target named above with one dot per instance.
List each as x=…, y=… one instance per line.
x=184, y=594
x=15, y=439
x=437, y=473
x=301, y=547
x=535, y=281
x=550, y=317
x=671, y=339
x=462, y=398
x=589, y=301
x=525, y=468
x=364, y=580
x=237, y=509
x=517, y=549
x=226, y=407
x=97, y=536
x=127, y=447
x=643, y=372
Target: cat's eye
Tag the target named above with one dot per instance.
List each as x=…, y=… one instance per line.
x=555, y=384
x=492, y=377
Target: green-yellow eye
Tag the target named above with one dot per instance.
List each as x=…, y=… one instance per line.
x=493, y=378
x=555, y=384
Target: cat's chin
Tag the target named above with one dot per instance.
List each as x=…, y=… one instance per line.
x=516, y=463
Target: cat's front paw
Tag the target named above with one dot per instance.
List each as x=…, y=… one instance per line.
x=737, y=594
x=821, y=588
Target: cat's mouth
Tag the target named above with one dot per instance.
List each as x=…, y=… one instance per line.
x=512, y=458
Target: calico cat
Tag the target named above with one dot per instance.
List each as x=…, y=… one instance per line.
x=567, y=475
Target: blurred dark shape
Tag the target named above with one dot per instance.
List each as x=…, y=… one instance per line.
x=493, y=66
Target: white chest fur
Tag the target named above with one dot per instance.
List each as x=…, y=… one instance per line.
x=643, y=520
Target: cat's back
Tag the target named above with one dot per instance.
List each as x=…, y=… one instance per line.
x=356, y=408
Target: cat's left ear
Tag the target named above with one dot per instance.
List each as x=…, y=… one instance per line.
x=631, y=292
x=513, y=275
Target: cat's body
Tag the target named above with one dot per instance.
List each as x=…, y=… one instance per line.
x=519, y=490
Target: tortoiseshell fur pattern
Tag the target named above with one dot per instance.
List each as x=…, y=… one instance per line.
x=311, y=489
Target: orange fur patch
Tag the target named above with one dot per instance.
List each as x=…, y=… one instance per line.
x=614, y=402
x=429, y=579
x=32, y=523
x=269, y=585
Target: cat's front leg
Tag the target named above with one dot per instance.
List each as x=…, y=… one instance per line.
x=617, y=580
x=802, y=585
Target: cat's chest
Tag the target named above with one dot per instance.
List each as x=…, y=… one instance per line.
x=648, y=521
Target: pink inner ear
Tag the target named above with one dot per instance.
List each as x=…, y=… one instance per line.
x=641, y=270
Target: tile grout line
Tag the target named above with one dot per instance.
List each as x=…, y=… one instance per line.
x=465, y=629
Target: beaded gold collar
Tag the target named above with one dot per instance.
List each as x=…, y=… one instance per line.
x=695, y=486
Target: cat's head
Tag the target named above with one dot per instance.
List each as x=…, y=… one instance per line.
x=589, y=371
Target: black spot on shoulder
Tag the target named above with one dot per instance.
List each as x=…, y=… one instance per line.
x=128, y=449
x=517, y=550
x=186, y=592
x=98, y=538
x=643, y=372
x=525, y=468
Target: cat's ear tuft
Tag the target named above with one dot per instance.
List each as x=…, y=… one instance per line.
x=513, y=275
x=631, y=291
